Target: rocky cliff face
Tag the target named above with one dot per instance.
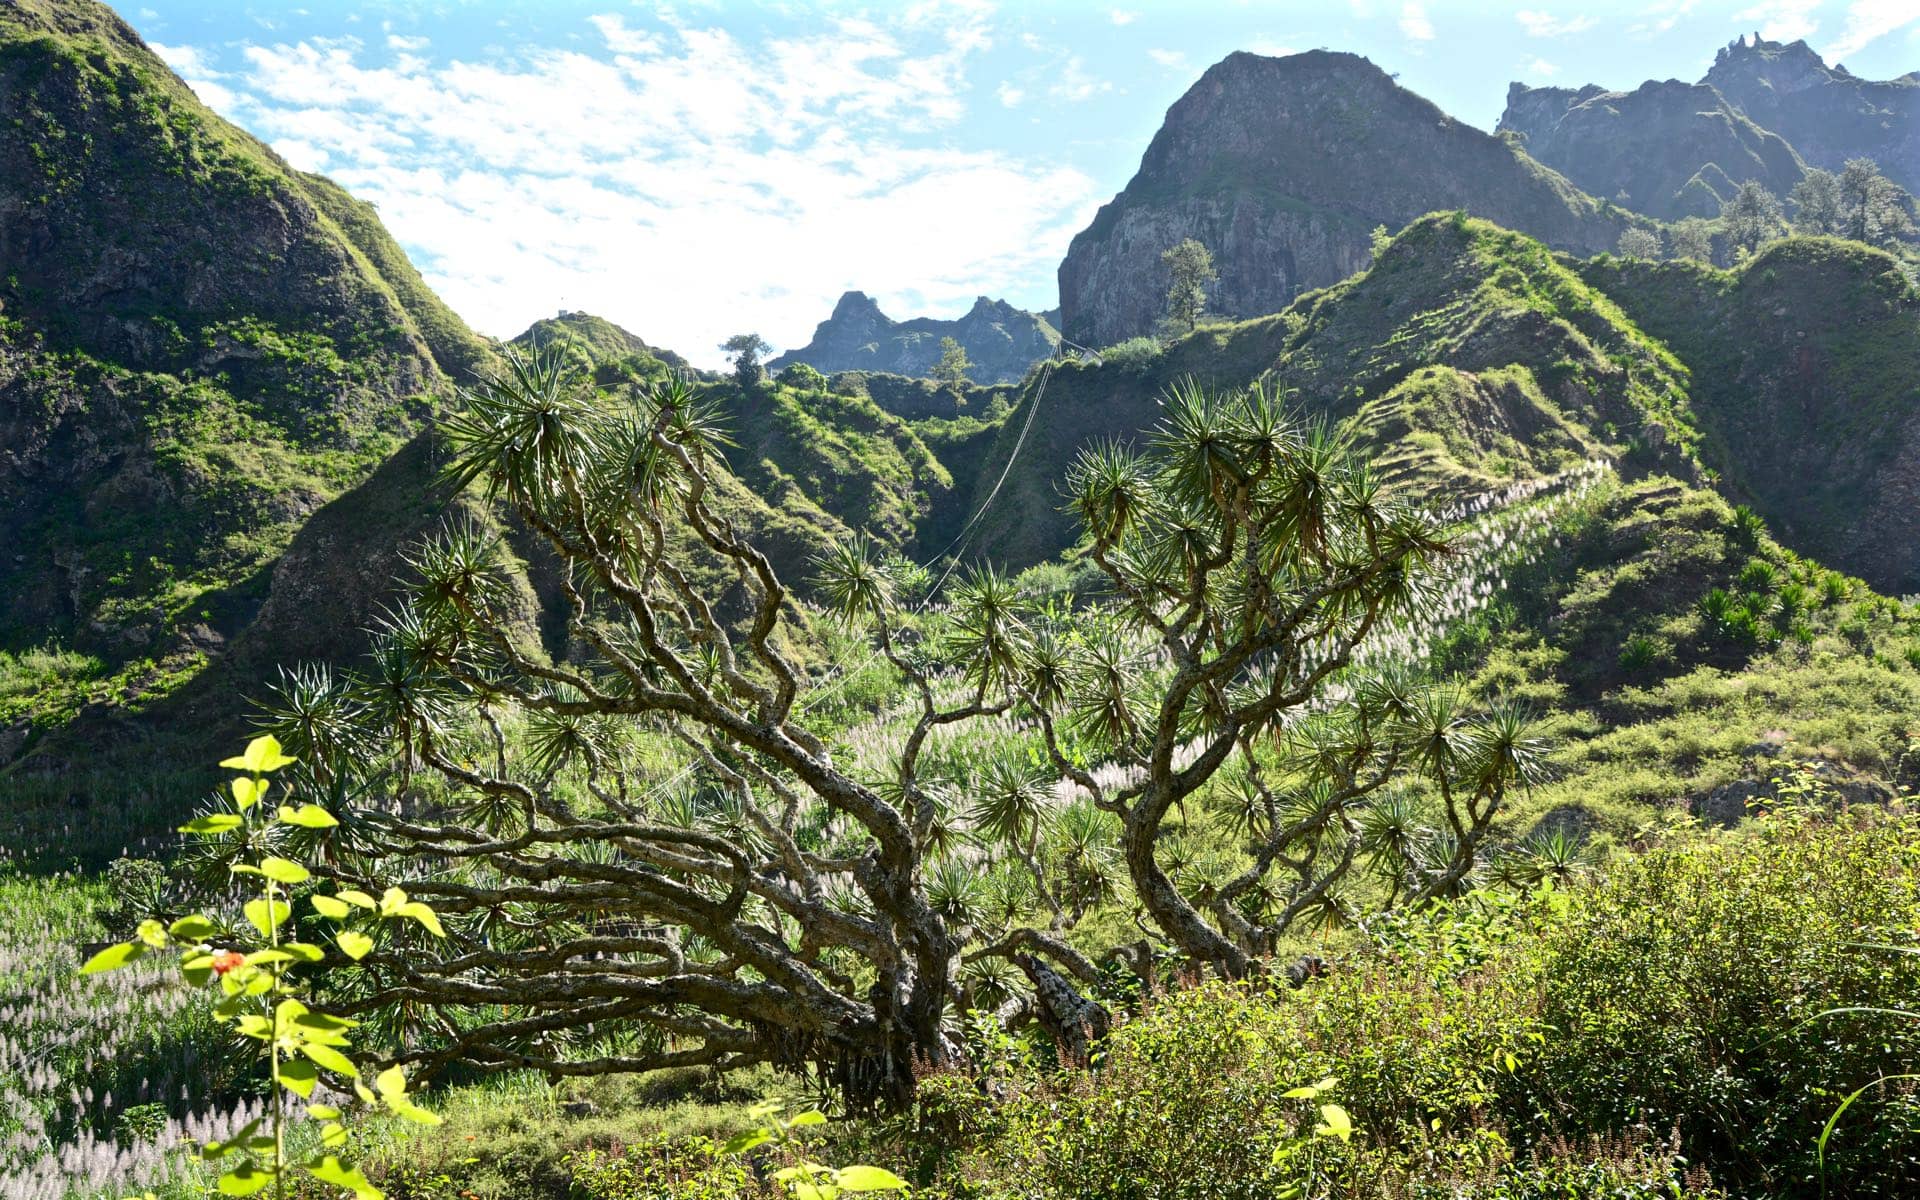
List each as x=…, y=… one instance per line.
x=1282, y=167
x=199, y=347
x=1000, y=340
x=1828, y=113
x=1667, y=149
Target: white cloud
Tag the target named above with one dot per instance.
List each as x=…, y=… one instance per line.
x=398, y=42
x=186, y=61
x=1662, y=18
x=1074, y=84
x=1271, y=48
x=1171, y=59
x=1414, y=21
x=1867, y=22
x=1783, y=20
x=685, y=183
x=1546, y=25
x=1009, y=95
x=1123, y=17
x=1540, y=68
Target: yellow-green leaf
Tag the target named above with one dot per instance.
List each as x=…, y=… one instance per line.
x=307, y=816
x=113, y=957
x=868, y=1179
x=193, y=929
x=267, y=916
x=284, y=870
x=298, y=1077
x=421, y=913
x=1334, y=1122
x=355, y=896
x=263, y=755
x=331, y=907
x=353, y=943
x=330, y=1170
x=213, y=823
x=330, y=1059
x=244, y=1180
x=248, y=792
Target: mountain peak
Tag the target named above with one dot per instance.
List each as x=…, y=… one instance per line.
x=856, y=303
x=1000, y=340
x=1280, y=166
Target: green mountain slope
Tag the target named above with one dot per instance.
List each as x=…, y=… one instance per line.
x=199, y=347
x=1804, y=371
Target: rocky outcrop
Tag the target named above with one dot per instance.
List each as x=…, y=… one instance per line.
x=1000, y=340
x=1828, y=113
x=1667, y=149
x=1282, y=167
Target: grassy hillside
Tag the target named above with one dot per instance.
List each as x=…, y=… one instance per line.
x=199, y=347
x=1805, y=377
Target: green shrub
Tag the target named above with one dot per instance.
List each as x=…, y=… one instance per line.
x=1136, y=355
x=1656, y=1034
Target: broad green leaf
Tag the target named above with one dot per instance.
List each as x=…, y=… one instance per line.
x=330, y=1059
x=330, y=1170
x=193, y=929
x=263, y=755
x=1334, y=1122
x=152, y=934
x=743, y=1142
x=391, y=1082
x=391, y=900
x=213, y=823
x=305, y=952
x=353, y=943
x=323, y=1112
x=299, y=1077
x=868, y=1179
x=307, y=816
x=421, y=913
x=284, y=870
x=248, y=792
x=267, y=916
x=320, y=1022
x=355, y=896
x=244, y=1180
x=113, y=957
x=330, y=907
x=810, y=1117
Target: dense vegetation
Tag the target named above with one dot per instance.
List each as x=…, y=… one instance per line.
x=1451, y=736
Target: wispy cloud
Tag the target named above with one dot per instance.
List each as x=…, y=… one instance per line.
x=1867, y=22
x=1074, y=83
x=1539, y=68
x=1546, y=25
x=1171, y=59
x=1661, y=18
x=1414, y=21
x=1783, y=20
x=1120, y=16
x=660, y=178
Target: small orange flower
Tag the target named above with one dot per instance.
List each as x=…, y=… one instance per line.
x=227, y=960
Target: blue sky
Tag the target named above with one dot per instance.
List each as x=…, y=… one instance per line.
x=698, y=169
